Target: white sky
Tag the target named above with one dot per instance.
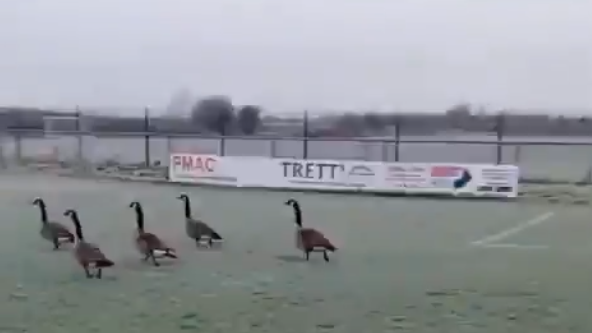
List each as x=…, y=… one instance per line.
x=292, y=54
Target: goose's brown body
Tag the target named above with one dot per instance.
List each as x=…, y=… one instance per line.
x=308, y=239
x=88, y=255
x=312, y=239
x=148, y=243
x=196, y=229
x=54, y=232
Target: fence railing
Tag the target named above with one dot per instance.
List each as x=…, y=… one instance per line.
x=543, y=161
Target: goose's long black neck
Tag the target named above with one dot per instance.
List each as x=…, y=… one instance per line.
x=43, y=211
x=297, y=214
x=187, y=207
x=77, y=227
x=139, y=218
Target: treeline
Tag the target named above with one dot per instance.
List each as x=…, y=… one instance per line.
x=217, y=115
x=213, y=115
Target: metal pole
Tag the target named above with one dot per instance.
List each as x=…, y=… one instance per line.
x=79, y=153
x=18, y=147
x=222, y=144
x=305, y=136
x=499, y=131
x=397, y=137
x=147, y=158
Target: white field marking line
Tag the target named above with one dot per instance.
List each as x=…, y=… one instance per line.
x=514, y=246
x=514, y=230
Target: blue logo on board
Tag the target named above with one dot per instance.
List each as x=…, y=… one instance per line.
x=462, y=181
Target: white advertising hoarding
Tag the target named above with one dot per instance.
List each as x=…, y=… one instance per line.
x=442, y=178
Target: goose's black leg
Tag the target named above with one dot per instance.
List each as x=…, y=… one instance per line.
x=197, y=241
x=87, y=272
x=307, y=254
x=99, y=274
x=210, y=242
x=146, y=256
x=56, y=243
x=325, y=256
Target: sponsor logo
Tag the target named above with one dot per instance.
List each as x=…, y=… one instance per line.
x=360, y=175
x=204, y=167
x=497, y=177
x=399, y=168
x=408, y=184
x=450, y=176
x=314, y=173
x=445, y=171
x=407, y=176
x=195, y=163
x=361, y=170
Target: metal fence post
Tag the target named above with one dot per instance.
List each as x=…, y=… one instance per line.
x=223, y=145
x=272, y=148
x=305, y=136
x=2, y=157
x=18, y=147
x=18, y=144
x=384, y=151
x=147, y=159
x=397, y=137
x=499, y=131
x=79, y=144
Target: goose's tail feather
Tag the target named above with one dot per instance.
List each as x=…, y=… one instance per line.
x=170, y=253
x=216, y=236
x=104, y=263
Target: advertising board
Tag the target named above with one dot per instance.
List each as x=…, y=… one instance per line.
x=442, y=178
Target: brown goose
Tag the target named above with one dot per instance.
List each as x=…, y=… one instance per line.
x=54, y=232
x=148, y=243
x=196, y=229
x=309, y=239
x=88, y=255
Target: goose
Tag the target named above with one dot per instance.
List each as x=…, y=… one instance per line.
x=54, y=232
x=87, y=254
x=197, y=229
x=309, y=239
x=148, y=243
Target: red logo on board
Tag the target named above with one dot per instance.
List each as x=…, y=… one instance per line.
x=445, y=171
x=195, y=163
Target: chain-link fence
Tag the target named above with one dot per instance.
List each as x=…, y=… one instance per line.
x=86, y=145
x=539, y=161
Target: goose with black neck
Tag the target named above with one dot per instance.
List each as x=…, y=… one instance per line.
x=52, y=231
x=88, y=255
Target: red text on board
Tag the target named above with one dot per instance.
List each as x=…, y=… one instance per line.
x=195, y=163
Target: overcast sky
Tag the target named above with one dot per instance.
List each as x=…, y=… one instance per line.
x=288, y=55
